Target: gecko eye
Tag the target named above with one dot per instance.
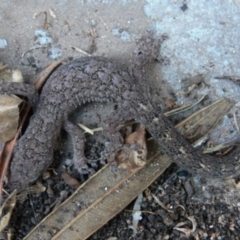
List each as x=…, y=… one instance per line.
x=140, y=53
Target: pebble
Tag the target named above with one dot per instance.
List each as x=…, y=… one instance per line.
x=3, y=43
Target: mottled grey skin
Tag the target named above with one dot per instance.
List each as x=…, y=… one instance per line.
x=99, y=79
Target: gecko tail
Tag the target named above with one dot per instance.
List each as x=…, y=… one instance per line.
x=148, y=48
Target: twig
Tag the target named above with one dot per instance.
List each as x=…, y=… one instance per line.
x=132, y=211
x=3, y=67
x=81, y=51
x=235, y=121
x=32, y=48
x=38, y=84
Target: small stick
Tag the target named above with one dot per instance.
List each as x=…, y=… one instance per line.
x=80, y=50
x=3, y=67
x=38, y=84
x=32, y=48
x=235, y=121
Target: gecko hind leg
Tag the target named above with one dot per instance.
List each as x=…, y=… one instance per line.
x=79, y=159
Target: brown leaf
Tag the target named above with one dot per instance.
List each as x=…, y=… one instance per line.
x=135, y=155
x=9, y=115
x=36, y=189
x=160, y=203
x=70, y=181
x=187, y=230
x=148, y=194
x=169, y=103
x=103, y=199
x=204, y=119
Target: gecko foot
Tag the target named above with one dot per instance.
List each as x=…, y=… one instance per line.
x=82, y=166
x=111, y=148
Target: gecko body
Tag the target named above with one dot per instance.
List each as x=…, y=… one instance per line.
x=97, y=79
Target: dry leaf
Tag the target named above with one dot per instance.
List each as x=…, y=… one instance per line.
x=46, y=175
x=194, y=82
x=9, y=115
x=36, y=189
x=204, y=119
x=231, y=225
x=169, y=103
x=186, y=230
x=70, y=181
x=148, y=194
x=52, y=14
x=6, y=75
x=6, y=210
x=135, y=155
x=160, y=203
x=105, y=195
x=137, y=214
x=17, y=76
x=166, y=237
x=183, y=108
x=11, y=75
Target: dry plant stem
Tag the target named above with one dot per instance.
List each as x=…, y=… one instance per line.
x=38, y=84
x=183, y=108
x=81, y=51
x=32, y=48
x=195, y=134
x=3, y=67
x=100, y=129
x=133, y=211
x=235, y=121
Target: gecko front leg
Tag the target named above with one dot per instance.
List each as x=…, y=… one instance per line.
x=22, y=89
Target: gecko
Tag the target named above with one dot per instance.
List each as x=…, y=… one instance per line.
x=99, y=79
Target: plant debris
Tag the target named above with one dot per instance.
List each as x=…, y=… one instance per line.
x=9, y=114
x=6, y=210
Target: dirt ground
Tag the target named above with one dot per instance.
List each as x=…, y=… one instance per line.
x=202, y=39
